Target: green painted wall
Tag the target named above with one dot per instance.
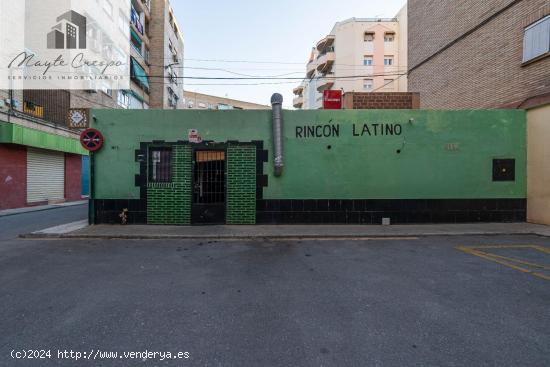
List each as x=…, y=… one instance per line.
x=16, y=134
x=241, y=184
x=444, y=154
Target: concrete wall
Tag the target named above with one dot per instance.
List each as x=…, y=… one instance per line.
x=538, y=165
x=438, y=155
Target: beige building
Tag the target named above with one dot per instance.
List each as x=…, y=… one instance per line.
x=199, y=101
x=358, y=55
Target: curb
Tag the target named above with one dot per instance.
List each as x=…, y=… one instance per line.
x=268, y=237
x=42, y=209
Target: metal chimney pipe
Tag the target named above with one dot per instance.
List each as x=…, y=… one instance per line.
x=277, y=106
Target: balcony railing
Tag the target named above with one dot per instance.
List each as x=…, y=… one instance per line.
x=325, y=61
x=298, y=90
x=311, y=67
x=33, y=109
x=324, y=83
x=328, y=41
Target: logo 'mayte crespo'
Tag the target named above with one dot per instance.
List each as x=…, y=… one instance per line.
x=69, y=33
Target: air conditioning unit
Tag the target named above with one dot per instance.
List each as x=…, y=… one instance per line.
x=14, y=103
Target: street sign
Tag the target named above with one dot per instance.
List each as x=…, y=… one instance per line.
x=91, y=140
x=332, y=99
x=193, y=136
x=78, y=118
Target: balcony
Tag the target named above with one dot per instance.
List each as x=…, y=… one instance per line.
x=328, y=41
x=298, y=90
x=325, y=61
x=324, y=83
x=298, y=102
x=311, y=67
x=142, y=6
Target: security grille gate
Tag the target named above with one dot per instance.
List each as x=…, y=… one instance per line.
x=209, y=187
x=45, y=176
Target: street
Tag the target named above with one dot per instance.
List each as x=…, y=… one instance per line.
x=380, y=302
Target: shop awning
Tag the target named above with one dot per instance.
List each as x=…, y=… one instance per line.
x=16, y=134
x=135, y=37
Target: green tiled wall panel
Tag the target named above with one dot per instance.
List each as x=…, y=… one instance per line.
x=171, y=203
x=241, y=184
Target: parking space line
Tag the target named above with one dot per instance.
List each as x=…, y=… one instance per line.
x=516, y=260
x=543, y=249
x=508, y=262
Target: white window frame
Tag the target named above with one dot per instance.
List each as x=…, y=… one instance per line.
x=388, y=60
x=371, y=81
x=536, y=40
x=368, y=60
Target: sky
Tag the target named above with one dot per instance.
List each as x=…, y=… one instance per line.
x=260, y=38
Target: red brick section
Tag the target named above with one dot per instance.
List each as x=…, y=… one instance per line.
x=482, y=70
x=381, y=101
x=13, y=176
x=73, y=177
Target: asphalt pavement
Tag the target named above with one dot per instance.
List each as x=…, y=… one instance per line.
x=381, y=302
x=13, y=225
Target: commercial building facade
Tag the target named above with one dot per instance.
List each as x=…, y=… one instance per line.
x=356, y=166
x=39, y=163
x=359, y=55
x=201, y=101
x=488, y=54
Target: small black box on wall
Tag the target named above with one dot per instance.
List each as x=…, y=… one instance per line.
x=504, y=169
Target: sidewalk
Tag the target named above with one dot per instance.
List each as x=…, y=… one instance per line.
x=79, y=230
x=30, y=209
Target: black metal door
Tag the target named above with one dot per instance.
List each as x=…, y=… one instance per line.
x=208, y=187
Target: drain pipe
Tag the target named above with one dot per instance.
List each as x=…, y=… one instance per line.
x=277, y=105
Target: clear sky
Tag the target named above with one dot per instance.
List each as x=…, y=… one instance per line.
x=275, y=37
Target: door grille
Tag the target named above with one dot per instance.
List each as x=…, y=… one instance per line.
x=209, y=177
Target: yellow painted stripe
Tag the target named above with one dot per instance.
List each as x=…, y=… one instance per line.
x=473, y=251
x=517, y=261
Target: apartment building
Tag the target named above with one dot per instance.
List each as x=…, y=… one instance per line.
x=156, y=63
x=166, y=58
x=358, y=55
x=200, y=101
x=488, y=54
